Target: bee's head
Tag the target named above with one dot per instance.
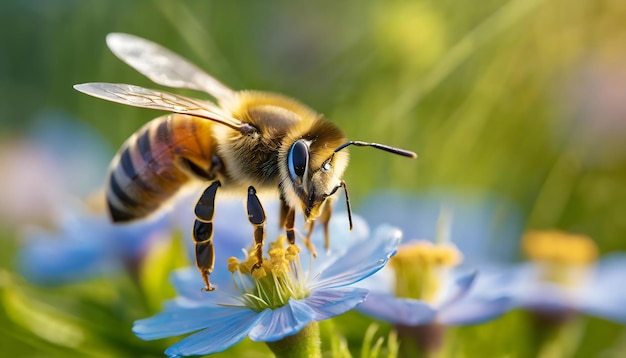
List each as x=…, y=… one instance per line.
x=313, y=180
x=314, y=168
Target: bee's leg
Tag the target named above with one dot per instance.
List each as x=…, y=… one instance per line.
x=203, y=233
x=307, y=239
x=287, y=220
x=324, y=219
x=256, y=216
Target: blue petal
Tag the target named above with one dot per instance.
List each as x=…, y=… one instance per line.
x=179, y=320
x=458, y=289
x=341, y=240
x=54, y=260
x=332, y=302
x=222, y=334
x=362, y=260
x=485, y=227
x=604, y=295
x=395, y=310
x=608, y=306
x=188, y=284
x=473, y=311
x=381, y=282
x=282, y=322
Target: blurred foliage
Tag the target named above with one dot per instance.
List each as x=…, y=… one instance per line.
x=524, y=99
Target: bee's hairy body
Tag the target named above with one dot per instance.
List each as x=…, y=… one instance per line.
x=246, y=142
x=169, y=151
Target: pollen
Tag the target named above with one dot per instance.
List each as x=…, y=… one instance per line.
x=559, y=247
x=279, y=278
x=233, y=264
x=420, y=268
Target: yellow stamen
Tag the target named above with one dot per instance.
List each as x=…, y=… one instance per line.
x=562, y=257
x=233, y=264
x=419, y=267
x=559, y=247
x=259, y=273
x=275, y=282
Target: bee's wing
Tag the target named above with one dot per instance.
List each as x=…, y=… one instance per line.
x=147, y=98
x=165, y=67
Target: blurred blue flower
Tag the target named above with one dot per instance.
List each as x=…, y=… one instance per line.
x=84, y=245
x=445, y=297
x=51, y=167
x=294, y=291
x=438, y=291
x=564, y=277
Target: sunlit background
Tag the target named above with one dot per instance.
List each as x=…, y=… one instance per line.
x=522, y=102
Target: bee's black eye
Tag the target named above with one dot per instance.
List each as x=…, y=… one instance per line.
x=298, y=159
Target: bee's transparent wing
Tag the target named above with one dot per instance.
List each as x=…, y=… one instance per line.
x=147, y=98
x=165, y=67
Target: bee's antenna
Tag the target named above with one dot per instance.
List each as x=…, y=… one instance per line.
x=345, y=190
x=386, y=148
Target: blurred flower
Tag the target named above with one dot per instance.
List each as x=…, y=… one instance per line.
x=564, y=278
x=85, y=245
x=422, y=290
x=420, y=287
x=50, y=168
x=273, y=302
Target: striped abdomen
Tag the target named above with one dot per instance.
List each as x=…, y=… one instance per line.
x=155, y=162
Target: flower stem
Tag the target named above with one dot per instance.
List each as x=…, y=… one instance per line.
x=425, y=341
x=305, y=343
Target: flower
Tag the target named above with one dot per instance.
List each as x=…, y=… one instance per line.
x=85, y=245
x=426, y=291
x=565, y=277
x=273, y=302
x=424, y=283
x=48, y=169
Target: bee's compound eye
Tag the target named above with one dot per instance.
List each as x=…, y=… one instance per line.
x=298, y=159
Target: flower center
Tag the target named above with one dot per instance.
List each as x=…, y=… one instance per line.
x=561, y=255
x=420, y=267
x=279, y=278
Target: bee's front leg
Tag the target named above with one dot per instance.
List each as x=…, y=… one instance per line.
x=203, y=233
x=256, y=216
x=324, y=219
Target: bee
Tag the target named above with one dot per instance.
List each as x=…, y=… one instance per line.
x=246, y=139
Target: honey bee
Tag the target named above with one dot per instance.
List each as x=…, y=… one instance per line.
x=249, y=139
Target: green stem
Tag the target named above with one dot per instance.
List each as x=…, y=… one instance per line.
x=305, y=343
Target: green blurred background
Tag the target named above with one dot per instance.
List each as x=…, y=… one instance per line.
x=523, y=99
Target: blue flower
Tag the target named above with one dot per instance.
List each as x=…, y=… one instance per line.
x=52, y=166
x=420, y=293
x=84, y=245
x=564, y=277
x=273, y=302
x=424, y=284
